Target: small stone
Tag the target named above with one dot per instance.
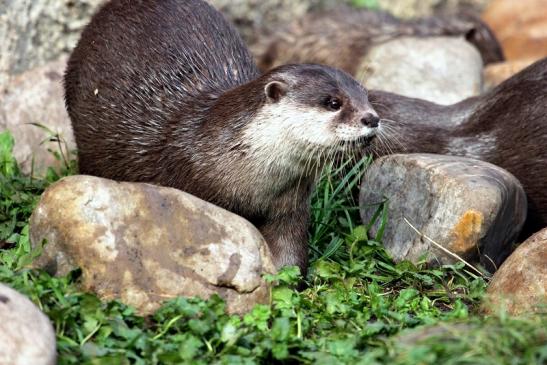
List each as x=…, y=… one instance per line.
x=520, y=284
x=26, y=335
x=144, y=244
x=471, y=208
x=36, y=96
x=405, y=65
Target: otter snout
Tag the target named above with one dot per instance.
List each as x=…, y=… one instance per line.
x=370, y=120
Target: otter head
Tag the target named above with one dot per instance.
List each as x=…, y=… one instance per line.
x=312, y=108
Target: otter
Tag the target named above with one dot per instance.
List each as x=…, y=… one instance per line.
x=343, y=36
x=166, y=92
x=506, y=126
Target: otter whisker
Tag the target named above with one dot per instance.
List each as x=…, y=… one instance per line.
x=392, y=133
x=386, y=145
x=382, y=149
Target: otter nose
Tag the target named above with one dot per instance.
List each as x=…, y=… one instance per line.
x=370, y=120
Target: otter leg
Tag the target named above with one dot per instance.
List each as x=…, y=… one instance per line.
x=287, y=237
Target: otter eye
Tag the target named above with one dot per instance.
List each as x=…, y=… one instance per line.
x=333, y=103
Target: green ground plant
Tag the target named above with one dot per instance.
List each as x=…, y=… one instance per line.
x=371, y=4
x=357, y=303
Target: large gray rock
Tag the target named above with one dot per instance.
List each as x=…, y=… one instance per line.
x=443, y=70
x=26, y=335
x=36, y=96
x=469, y=207
x=520, y=284
x=145, y=244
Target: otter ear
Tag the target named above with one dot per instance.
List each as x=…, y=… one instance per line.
x=275, y=90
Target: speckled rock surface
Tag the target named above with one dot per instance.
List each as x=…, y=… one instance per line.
x=26, y=335
x=444, y=70
x=145, y=244
x=36, y=31
x=36, y=96
x=520, y=284
x=470, y=207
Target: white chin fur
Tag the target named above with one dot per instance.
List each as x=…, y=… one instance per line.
x=285, y=126
x=349, y=133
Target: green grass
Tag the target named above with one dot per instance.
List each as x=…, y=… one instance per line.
x=356, y=304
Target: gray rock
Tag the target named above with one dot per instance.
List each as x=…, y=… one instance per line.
x=145, y=244
x=520, y=284
x=26, y=335
x=469, y=207
x=36, y=96
x=443, y=70
x=35, y=32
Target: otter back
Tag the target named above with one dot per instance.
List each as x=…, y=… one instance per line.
x=138, y=64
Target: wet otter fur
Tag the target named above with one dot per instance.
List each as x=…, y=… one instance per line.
x=166, y=92
x=342, y=37
x=506, y=126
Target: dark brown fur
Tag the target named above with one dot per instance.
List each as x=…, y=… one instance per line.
x=162, y=91
x=342, y=37
x=506, y=126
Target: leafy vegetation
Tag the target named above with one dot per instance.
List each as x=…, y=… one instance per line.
x=357, y=302
x=371, y=4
